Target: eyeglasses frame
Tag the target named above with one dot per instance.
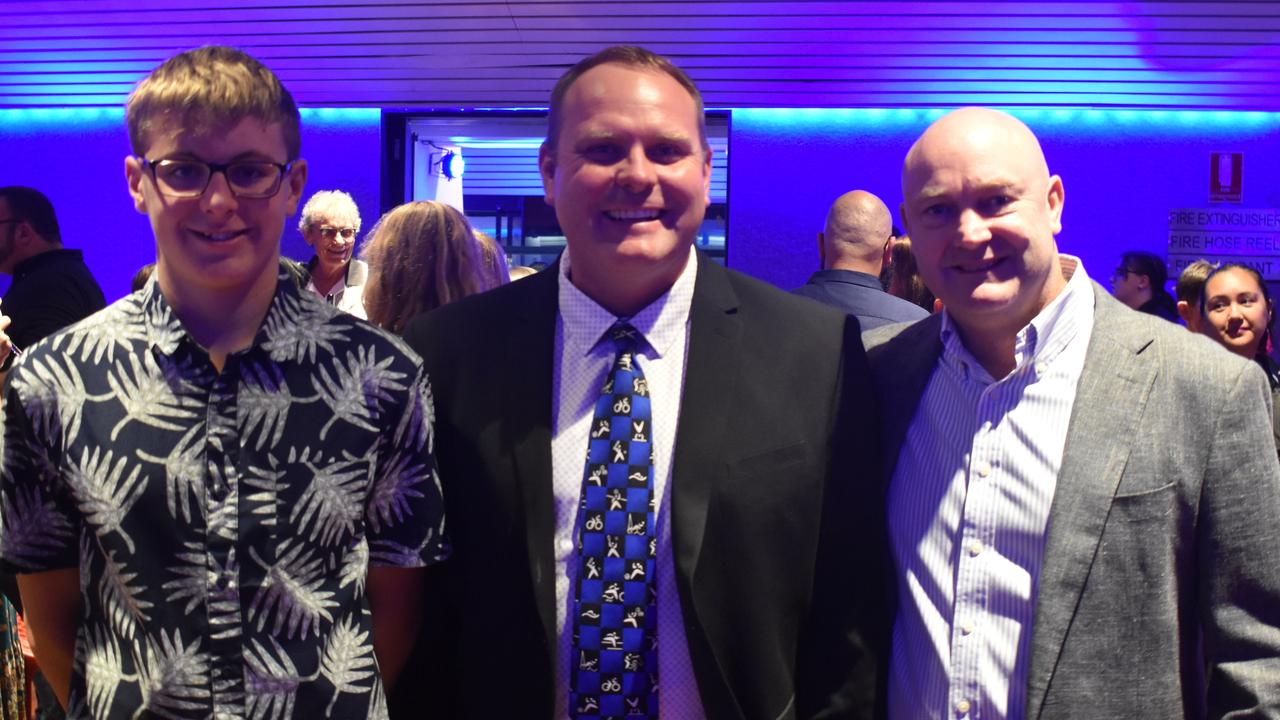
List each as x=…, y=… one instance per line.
x=283, y=168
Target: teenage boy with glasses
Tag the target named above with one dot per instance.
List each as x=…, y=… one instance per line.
x=219, y=492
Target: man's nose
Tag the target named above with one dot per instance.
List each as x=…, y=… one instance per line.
x=973, y=228
x=635, y=171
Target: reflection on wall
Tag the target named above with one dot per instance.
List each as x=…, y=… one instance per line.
x=76, y=157
x=1123, y=171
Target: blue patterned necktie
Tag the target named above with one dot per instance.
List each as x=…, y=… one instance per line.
x=614, y=668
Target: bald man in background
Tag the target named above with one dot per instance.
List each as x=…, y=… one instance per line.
x=1082, y=498
x=853, y=248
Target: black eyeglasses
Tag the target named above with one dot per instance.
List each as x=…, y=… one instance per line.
x=1121, y=273
x=190, y=178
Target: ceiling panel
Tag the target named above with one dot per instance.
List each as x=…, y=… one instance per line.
x=507, y=53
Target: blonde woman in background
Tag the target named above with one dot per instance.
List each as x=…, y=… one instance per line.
x=421, y=255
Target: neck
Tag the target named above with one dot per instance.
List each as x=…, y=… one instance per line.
x=222, y=320
x=626, y=294
x=325, y=278
x=991, y=347
x=869, y=268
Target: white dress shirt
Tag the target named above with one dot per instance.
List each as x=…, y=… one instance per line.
x=968, y=513
x=581, y=365
x=347, y=295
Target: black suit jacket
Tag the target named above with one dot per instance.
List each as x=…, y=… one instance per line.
x=776, y=530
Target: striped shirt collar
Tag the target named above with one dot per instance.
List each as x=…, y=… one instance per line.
x=1043, y=339
x=662, y=322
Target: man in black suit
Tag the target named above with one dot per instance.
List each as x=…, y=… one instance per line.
x=766, y=546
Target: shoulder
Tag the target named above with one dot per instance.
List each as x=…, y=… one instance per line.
x=764, y=302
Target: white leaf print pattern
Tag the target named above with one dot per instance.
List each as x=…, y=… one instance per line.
x=354, y=389
x=148, y=398
x=291, y=591
x=103, y=671
x=192, y=577
x=264, y=404
x=415, y=427
x=174, y=678
x=355, y=567
x=104, y=493
x=271, y=681
x=184, y=473
x=300, y=329
x=389, y=503
x=54, y=396
x=101, y=334
x=333, y=500
x=347, y=660
x=33, y=528
x=119, y=599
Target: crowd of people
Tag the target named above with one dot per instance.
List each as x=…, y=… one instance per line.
x=357, y=487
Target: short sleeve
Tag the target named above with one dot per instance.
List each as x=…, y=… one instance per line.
x=38, y=520
x=405, y=510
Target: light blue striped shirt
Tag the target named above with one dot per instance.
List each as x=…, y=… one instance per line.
x=969, y=510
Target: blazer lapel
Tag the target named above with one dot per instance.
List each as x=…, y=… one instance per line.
x=526, y=429
x=1110, y=399
x=711, y=372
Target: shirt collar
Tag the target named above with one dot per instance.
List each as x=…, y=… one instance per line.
x=165, y=332
x=1043, y=339
x=662, y=322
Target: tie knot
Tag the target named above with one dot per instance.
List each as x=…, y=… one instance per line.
x=624, y=336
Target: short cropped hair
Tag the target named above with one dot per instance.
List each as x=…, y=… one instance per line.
x=1145, y=263
x=421, y=255
x=210, y=88
x=33, y=207
x=1191, y=281
x=629, y=56
x=335, y=204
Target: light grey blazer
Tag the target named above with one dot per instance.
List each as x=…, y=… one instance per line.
x=1159, y=595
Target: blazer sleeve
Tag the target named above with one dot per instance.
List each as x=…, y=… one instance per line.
x=1239, y=554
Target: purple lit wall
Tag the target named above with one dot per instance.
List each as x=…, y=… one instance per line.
x=1123, y=170
x=76, y=157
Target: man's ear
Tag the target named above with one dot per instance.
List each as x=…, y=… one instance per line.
x=706, y=175
x=133, y=175
x=547, y=168
x=1056, y=198
x=297, y=182
x=886, y=257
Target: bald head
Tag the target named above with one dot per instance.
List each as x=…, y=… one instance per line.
x=858, y=226
x=982, y=211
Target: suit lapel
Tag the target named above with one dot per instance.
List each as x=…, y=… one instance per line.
x=711, y=372
x=1110, y=401
x=526, y=421
x=902, y=367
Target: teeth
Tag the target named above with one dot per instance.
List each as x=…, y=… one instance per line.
x=633, y=214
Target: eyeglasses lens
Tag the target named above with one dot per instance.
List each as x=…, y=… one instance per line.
x=189, y=178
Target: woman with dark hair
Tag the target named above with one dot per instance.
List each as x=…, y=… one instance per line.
x=1139, y=283
x=421, y=255
x=1239, y=314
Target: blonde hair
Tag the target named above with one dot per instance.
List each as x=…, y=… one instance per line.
x=421, y=255
x=904, y=280
x=210, y=88
x=495, y=259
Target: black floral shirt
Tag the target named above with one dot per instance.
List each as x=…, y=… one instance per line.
x=222, y=523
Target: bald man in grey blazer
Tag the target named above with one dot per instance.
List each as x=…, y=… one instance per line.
x=1084, y=501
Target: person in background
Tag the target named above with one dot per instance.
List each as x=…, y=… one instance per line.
x=1139, y=283
x=141, y=277
x=52, y=287
x=495, y=259
x=1189, y=288
x=421, y=255
x=521, y=271
x=330, y=223
x=219, y=493
x=904, y=277
x=853, y=247
x=1082, y=516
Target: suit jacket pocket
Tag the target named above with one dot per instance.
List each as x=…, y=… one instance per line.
x=1155, y=504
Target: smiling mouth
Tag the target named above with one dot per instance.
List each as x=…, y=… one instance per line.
x=981, y=267
x=219, y=237
x=633, y=215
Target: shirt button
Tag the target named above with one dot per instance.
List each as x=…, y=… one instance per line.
x=1040, y=368
x=962, y=707
x=966, y=628
x=984, y=469
x=975, y=547
x=566, y=545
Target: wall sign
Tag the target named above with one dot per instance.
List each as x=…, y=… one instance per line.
x=1249, y=236
x=1226, y=177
